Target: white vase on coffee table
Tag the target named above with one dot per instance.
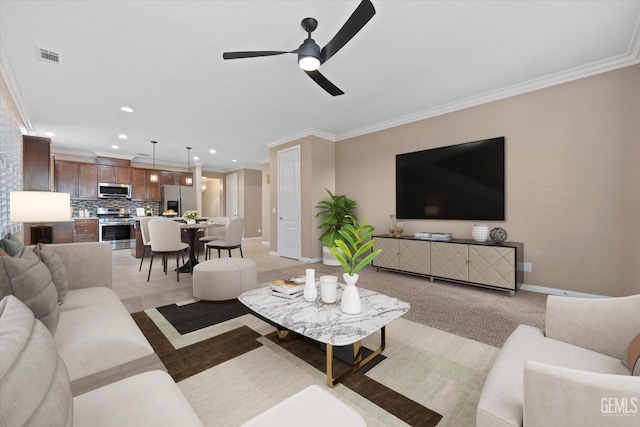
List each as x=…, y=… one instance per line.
x=350, y=296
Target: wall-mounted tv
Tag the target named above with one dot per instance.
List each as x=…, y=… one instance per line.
x=464, y=182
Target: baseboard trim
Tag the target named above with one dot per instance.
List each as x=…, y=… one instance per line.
x=310, y=260
x=272, y=253
x=556, y=291
x=266, y=242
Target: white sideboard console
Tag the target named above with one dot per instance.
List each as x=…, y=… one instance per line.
x=463, y=261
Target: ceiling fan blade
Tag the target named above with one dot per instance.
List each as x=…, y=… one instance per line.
x=238, y=55
x=324, y=83
x=363, y=13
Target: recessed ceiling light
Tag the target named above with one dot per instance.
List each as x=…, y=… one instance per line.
x=127, y=109
x=212, y=151
x=234, y=160
x=122, y=136
x=115, y=147
x=50, y=134
x=196, y=158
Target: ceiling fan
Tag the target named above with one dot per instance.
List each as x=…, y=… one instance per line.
x=310, y=57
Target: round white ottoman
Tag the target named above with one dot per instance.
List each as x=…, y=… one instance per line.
x=224, y=278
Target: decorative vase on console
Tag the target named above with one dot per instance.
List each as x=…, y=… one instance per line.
x=360, y=243
x=480, y=232
x=392, y=225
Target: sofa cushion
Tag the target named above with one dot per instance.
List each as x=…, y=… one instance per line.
x=633, y=357
x=501, y=400
x=33, y=378
x=96, y=333
x=56, y=268
x=147, y=399
x=26, y=277
x=11, y=244
x=555, y=396
x=3, y=252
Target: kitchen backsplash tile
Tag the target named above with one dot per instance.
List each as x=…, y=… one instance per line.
x=93, y=205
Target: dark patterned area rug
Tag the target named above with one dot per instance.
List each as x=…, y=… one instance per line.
x=192, y=359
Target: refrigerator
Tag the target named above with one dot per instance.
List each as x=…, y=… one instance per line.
x=180, y=198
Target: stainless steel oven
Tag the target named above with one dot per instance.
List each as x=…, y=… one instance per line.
x=116, y=228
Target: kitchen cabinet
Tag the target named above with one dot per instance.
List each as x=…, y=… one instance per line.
x=114, y=174
x=85, y=230
x=36, y=163
x=78, y=179
x=174, y=178
x=142, y=189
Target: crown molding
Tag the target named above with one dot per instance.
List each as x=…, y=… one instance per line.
x=13, y=86
x=114, y=155
x=302, y=134
x=577, y=73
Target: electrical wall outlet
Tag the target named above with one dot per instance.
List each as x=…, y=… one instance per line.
x=526, y=266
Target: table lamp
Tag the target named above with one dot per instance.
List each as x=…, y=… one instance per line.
x=40, y=207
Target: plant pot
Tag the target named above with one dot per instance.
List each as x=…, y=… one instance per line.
x=191, y=221
x=328, y=258
x=350, y=303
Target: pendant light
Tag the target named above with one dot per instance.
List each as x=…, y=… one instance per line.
x=189, y=180
x=154, y=176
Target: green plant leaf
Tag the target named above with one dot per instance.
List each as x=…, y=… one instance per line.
x=366, y=260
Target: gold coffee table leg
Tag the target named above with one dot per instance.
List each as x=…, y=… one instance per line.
x=357, y=360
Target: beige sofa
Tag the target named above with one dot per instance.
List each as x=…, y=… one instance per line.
x=109, y=368
x=572, y=373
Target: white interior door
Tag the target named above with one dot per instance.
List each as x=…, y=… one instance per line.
x=232, y=195
x=289, y=210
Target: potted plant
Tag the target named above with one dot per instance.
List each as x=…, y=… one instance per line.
x=355, y=242
x=332, y=214
x=191, y=216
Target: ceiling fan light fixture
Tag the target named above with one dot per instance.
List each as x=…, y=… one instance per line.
x=309, y=55
x=308, y=63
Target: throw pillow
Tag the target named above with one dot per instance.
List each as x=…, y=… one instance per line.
x=58, y=271
x=633, y=356
x=11, y=244
x=26, y=277
x=33, y=378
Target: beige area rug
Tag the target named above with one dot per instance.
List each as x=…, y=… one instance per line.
x=235, y=370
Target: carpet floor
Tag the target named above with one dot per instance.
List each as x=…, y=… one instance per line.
x=231, y=367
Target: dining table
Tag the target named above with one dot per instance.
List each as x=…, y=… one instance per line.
x=192, y=229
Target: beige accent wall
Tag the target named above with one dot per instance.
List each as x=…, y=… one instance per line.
x=572, y=177
x=317, y=170
x=252, y=204
x=266, y=204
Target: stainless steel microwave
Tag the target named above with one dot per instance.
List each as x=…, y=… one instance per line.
x=107, y=190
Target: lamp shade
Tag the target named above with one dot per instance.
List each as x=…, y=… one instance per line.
x=39, y=206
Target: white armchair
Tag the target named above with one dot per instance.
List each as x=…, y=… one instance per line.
x=561, y=376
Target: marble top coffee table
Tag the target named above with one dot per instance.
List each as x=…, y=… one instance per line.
x=325, y=323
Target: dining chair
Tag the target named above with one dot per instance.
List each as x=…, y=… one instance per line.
x=215, y=233
x=146, y=241
x=165, y=240
x=232, y=239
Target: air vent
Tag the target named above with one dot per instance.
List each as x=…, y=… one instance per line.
x=48, y=55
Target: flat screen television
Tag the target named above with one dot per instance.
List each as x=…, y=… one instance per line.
x=462, y=182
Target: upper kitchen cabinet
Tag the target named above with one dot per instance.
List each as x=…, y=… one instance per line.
x=142, y=189
x=174, y=178
x=114, y=170
x=117, y=174
x=36, y=160
x=80, y=180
